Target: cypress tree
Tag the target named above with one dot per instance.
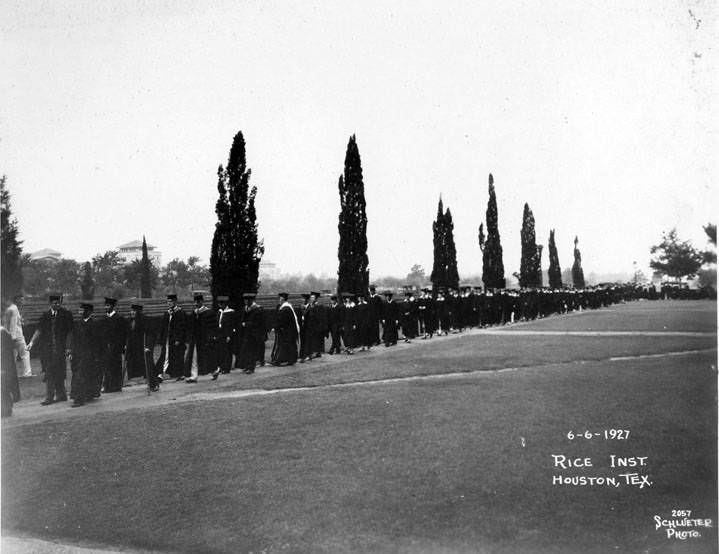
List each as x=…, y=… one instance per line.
x=444, y=269
x=353, y=272
x=528, y=263
x=10, y=262
x=438, y=277
x=577, y=271
x=538, y=266
x=451, y=249
x=492, y=265
x=236, y=251
x=145, y=277
x=87, y=285
x=555, y=271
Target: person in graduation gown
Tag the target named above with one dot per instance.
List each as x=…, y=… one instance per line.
x=253, y=333
x=114, y=339
x=390, y=320
x=376, y=309
x=443, y=314
x=425, y=306
x=287, y=329
x=408, y=316
x=139, y=349
x=349, y=323
x=335, y=318
x=87, y=342
x=227, y=322
x=201, y=352
x=315, y=327
x=300, y=312
x=172, y=338
x=53, y=337
x=365, y=337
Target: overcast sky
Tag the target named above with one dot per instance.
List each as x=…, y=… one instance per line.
x=601, y=115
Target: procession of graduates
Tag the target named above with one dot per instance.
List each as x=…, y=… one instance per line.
x=104, y=351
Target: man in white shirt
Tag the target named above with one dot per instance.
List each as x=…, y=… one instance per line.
x=13, y=323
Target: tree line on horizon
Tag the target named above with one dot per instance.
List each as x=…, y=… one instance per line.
x=236, y=250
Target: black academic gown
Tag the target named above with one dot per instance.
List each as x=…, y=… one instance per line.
x=284, y=350
x=87, y=352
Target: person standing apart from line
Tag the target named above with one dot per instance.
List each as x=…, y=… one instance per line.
x=53, y=336
x=115, y=337
x=9, y=386
x=13, y=325
x=172, y=338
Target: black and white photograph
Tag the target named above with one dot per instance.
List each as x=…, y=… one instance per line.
x=359, y=277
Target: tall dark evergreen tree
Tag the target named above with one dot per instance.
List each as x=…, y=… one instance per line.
x=87, y=284
x=145, y=277
x=492, y=264
x=444, y=269
x=577, y=271
x=538, y=266
x=11, y=247
x=452, y=272
x=236, y=251
x=353, y=272
x=555, y=271
x=528, y=264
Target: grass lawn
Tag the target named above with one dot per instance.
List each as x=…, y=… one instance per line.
x=458, y=464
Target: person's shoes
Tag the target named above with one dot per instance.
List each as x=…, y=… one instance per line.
x=46, y=402
x=179, y=379
x=190, y=380
x=215, y=374
x=160, y=379
x=61, y=399
x=77, y=404
x=155, y=388
x=25, y=375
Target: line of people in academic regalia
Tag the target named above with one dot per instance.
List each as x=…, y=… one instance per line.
x=353, y=322
x=103, y=351
x=206, y=341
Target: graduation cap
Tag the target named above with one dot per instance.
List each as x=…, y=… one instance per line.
x=87, y=306
x=388, y=293
x=223, y=298
x=172, y=297
x=55, y=297
x=333, y=297
x=315, y=294
x=284, y=295
x=110, y=301
x=198, y=296
x=136, y=307
x=249, y=295
x=372, y=288
x=408, y=293
x=347, y=295
x=305, y=295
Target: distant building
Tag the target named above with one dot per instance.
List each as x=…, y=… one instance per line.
x=269, y=270
x=46, y=254
x=132, y=251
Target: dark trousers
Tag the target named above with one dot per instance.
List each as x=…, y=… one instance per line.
x=113, y=370
x=54, y=369
x=336, y=346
